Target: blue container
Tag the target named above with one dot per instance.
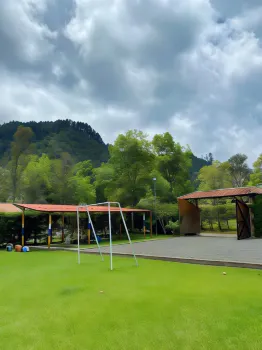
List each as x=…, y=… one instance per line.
x=9, y=248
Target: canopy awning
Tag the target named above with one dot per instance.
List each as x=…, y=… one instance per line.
x=57, y=208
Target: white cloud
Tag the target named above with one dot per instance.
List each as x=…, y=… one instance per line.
x=190, y=67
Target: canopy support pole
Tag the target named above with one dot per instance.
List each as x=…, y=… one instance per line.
x=23, y=228
x=49, y=239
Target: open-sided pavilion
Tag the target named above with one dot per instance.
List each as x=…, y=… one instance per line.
x=52, y=209
x=189, y=210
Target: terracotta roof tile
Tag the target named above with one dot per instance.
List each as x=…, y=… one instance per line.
x=227, y=192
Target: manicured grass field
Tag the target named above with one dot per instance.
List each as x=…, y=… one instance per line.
x=48, y=302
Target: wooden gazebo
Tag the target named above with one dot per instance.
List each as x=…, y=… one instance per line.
x=190, y=213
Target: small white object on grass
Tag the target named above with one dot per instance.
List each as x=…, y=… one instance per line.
x=101, y=291
x=224, y=273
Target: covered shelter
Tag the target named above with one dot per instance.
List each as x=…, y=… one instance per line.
x=51, y=209
x=189, y=211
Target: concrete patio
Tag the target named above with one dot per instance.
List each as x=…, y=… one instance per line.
x=225, y=251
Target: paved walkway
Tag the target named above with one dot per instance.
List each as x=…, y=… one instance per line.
x=197, y=249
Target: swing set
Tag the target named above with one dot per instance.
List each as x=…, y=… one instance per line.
x=111, y=207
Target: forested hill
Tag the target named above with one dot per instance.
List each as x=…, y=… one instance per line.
x=53, y=138
x=78, y=139
x=198, y=163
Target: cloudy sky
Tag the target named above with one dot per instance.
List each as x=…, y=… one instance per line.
x=190, y=67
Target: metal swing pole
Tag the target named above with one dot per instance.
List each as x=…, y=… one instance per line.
x=92, y=226
x=131, y=244
x=110, y=230
x=110, y=237
x=78, y=236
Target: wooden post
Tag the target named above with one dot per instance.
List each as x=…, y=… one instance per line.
x=23, y=228
x=63, y=228
x=49, y=231
x=151, y=224
x=88, y=232
x=132, y=219
x=144, y=224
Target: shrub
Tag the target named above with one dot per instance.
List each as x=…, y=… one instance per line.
x=173, y=226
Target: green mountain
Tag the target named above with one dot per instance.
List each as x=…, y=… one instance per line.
x=53, y=138
x=78, y=139
x=198, y=163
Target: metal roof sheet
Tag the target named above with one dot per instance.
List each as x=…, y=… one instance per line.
x=8, y=208
x=226, y=192
x=56, y=208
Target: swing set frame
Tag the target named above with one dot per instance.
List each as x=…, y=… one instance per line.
x=109, y=206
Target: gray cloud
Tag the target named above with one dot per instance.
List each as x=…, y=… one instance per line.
x=190, y=67
x=234, y=7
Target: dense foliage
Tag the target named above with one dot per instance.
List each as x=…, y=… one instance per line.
x=67, y=162
x=54, y=138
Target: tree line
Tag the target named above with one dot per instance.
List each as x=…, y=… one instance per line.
x=135, y=169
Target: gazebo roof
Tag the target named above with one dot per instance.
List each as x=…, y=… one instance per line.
x=222, y=193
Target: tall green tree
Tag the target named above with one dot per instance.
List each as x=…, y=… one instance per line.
x=83, y=191
x=256, y=175
x=103, y=176
x=239, y=169
x=174, y=163
x=36, y=179
x=161, y=186
x=20, y=147
x=61, y=170
x=4, y=184
x=130, y=165
x=214, y=176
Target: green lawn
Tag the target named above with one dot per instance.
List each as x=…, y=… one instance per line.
x=49, y=302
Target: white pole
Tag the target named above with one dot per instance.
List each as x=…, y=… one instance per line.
x=110, y=237
x=78, y=236
x=94, y=232
x=110, y=229
x=133, y=252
